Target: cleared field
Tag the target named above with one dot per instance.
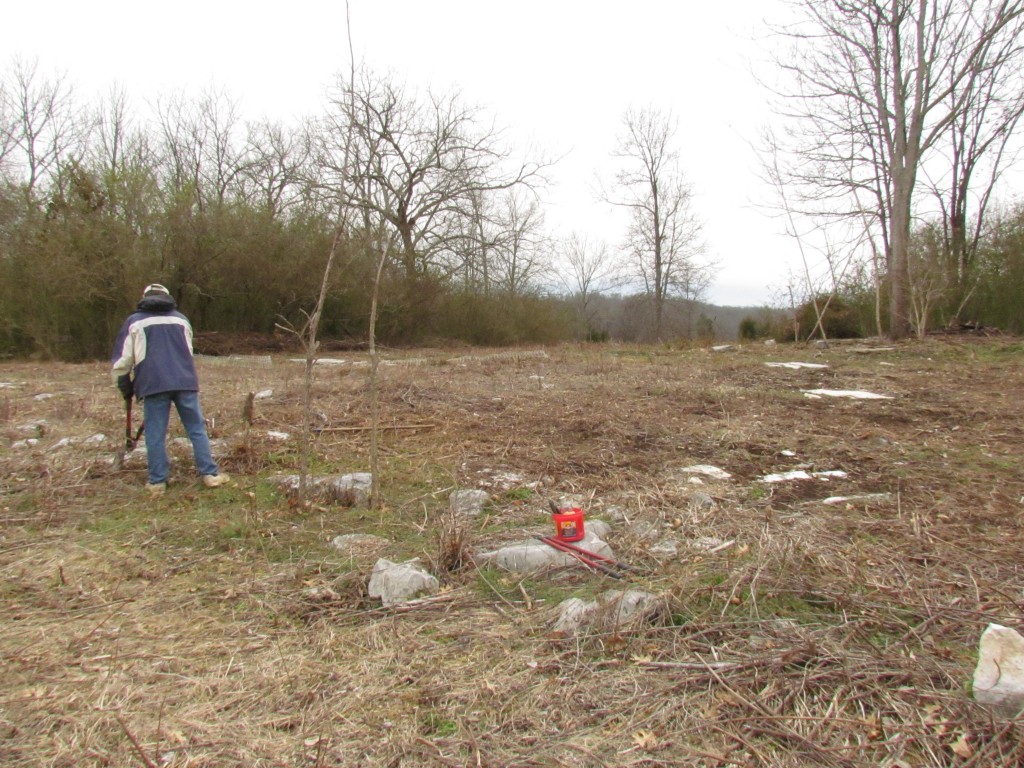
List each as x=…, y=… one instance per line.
x=826, y=621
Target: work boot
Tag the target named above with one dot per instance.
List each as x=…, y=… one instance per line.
x=215, y=481
x=156, y=489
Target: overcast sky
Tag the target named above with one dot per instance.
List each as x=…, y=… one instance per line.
x=558, y=74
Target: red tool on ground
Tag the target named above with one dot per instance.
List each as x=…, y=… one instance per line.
x=592, y=560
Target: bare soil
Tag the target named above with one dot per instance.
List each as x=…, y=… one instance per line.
x=222, y=628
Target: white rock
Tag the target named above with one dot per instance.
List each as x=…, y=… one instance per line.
x=666, y=548
x=852, y=393
x=352, y=489
x=595, y=532
x=707, y=469
x=799, y=474
x=347, y=542
x=999, y=676
x=573, y=614
x=468, y=502
x=396, y=583
x=612, y=610
x=626, y=605
x=536, y=555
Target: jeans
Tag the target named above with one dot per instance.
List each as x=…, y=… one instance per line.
x=156, y=411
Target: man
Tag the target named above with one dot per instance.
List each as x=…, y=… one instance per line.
x=155, y=343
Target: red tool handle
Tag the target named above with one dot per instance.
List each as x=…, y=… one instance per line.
x=594, y=564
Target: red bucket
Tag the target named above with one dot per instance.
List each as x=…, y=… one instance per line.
x=568, y=524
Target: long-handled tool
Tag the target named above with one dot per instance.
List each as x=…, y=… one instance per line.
x=609, y=561
x=592, y=560
x=131, y=441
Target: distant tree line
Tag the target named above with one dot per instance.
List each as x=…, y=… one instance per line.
x=237, y=217
x=994, y=299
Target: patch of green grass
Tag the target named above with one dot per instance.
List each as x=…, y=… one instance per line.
x=538, y=588
x=436, y=724
x=519, y=494
x=803, y=609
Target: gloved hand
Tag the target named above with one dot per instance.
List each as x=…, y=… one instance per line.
x=124, y=383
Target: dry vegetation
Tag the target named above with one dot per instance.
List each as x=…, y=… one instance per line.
x=221, y=628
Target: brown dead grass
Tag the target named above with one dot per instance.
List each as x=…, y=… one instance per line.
x=221, y=628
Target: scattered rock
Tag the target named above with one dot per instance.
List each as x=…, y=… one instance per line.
x=616, y=514
x=666, y=549
x=468, y=502
x=864, y=498
x=612, y=610
x=531, y=556
x=711, y=544
x=595, y=529
x=800, y=474
x=797, y=366
x=856, y=394
x=506, y=481
x=350, y=490
x=36, y=428
x=573, y=614
x=396, y=583
x=353, y=542
x=701, y=502
x=999, y=676
x=708, y=470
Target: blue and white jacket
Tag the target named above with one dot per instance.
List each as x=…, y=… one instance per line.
x=156, y=342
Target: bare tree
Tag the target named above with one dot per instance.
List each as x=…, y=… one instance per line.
x=520, y=254
x=875, y=86
x=664, y=234
x=588, y=270
x=417, y=164
x=272, y=170
x=977, y=147
x=42, y=125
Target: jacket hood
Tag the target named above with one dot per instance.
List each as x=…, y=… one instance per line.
x=157, y=303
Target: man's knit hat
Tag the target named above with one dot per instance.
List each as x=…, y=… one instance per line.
x=155, y=288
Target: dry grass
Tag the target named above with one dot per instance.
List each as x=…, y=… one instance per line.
x=215, y=628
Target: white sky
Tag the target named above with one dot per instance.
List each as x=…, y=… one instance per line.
x=558, y=74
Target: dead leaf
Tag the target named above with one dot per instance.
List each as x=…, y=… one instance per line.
x=961, y=748
x=646, y=740
x=726, y=698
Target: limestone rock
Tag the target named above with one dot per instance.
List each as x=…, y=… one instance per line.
x=397, y=583
x=999, y=676
x=468, y=502
x=350, y=490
